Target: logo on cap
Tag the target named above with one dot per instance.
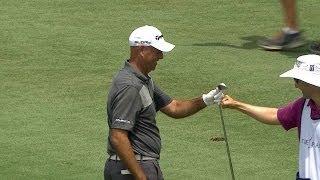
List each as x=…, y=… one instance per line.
x=307, y=67
x=158, y=37
x=142, y=42
x=311, y=68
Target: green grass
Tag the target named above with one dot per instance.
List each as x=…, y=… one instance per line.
x=57, y=59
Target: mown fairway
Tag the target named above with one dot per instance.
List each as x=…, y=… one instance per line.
x=57, y=59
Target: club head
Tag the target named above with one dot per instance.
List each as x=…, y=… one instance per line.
x=222, y=87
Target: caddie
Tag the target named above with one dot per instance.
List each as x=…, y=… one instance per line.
x=303, y=113
x=134, y=141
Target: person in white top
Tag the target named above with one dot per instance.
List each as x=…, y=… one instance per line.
x=303, y=113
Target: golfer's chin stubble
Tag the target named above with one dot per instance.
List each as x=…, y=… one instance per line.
x=153, y=66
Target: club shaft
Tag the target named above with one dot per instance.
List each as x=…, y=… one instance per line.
x=227, y=144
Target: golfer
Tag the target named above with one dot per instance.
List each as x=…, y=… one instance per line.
x=134, y=142
x=303, y=113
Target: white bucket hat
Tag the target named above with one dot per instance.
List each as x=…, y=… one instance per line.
x=307, y=69
x=149, y=36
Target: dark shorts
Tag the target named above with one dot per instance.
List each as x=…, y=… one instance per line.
x=116, y=170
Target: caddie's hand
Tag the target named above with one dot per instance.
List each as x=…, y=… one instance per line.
x=214, y=96
x=228, y=102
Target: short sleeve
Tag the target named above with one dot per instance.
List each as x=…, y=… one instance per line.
x=125, y=107
x=161, y=99
x=290, y=115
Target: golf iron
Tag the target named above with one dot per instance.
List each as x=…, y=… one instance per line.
x=223, y=87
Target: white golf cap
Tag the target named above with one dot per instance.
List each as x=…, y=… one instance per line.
x=149, y=36
x=307, y=69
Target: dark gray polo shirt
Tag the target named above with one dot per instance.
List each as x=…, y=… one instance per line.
x=132, y=104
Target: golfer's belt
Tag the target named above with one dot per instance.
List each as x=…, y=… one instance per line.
x=137, y=156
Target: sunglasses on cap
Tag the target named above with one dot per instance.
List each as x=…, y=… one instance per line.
x=296, y=80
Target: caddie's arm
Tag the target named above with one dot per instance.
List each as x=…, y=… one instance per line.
x=183, y=108
x=121, y=143
x=265, y=115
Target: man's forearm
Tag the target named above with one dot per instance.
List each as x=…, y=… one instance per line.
x=184, y=108
x=124, y=150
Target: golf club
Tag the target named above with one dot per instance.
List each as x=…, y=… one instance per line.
x=223, y=87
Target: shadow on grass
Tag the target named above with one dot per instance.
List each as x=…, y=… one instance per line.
x=251, y=43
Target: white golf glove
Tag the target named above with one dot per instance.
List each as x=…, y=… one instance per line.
x=214, y=96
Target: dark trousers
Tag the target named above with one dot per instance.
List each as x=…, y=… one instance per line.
x=116, y=170
x=297, y=177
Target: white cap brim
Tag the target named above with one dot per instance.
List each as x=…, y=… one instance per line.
x=163, y=46
x=291, y=73
x=305, y=76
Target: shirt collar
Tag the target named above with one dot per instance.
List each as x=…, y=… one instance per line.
x=315, y=111
x=137, y=73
